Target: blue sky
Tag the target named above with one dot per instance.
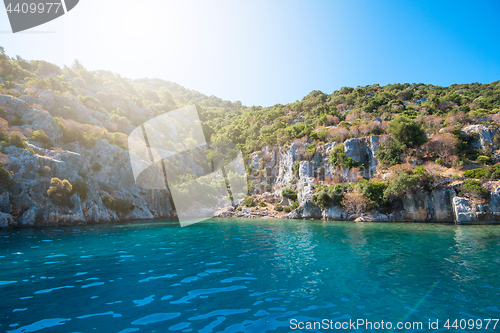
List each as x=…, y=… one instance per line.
x=269, y=52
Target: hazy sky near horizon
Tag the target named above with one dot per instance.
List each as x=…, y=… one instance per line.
x=269, y=52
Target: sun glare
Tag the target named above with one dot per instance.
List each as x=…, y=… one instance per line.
x=132, y=34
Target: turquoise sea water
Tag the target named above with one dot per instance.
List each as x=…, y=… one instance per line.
x=246, y=276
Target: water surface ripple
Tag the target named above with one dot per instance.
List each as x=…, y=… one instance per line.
x=244, y=275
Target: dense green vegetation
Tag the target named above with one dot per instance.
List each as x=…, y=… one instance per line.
x=122, y=206
x=338, y=158
x=288, y=193
x=407, y=132
x=492, y=172
x=416, y=180
x=345, y=113
x=5, y=177
x=328, y=195
x=389, y=153
x=248, y=202
x=473, y=189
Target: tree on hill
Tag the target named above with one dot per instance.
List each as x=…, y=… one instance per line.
x=407, y=132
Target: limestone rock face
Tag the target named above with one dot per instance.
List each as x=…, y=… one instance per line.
x=467, y=212
x=287, y=157
x=273, y=168
x=434, y=206
x=43, y=120
x=5, y=206
x=463, y=210
x=363, y=150
x=495, y=200
x=307, y=210
x=107, y=172
x=306, y=179
x=29, y=205
x=29, y=218
x=6, y=220
x=335, y=213
x=482, y=135
x=68, y=107
x=373, y=217
x=264, y=170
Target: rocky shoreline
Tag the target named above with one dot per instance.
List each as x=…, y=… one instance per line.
x=464, y=213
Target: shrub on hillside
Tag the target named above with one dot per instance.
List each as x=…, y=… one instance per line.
x=17, y=121
x=310, y=151
x=288, y=193
x=326, y=196
x=406, y=182
x=461, y=138
x=484, y=159
x=123, y=206
x=441, y=145
x=46, y=68
x=248, y=202
x=107, y=201
x=60, y=191
x=320, y=135
x=86, y=139
x=89, y=101
x=278, y=208
x=17, y=141
x=4, y=129
x=492, y=172
x=295, y=168
x=41, y=137
x=407, y=132
x=389, y=153
x=5, y=177
x=373, y=191
x=473, y=190
x=355, y=203
x=338, y=158
x=321, y=199
x=81, y=189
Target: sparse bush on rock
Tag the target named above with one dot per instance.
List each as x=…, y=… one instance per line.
x=248, y=202
x=60, y=192
x=288, y=193
x=473, y=190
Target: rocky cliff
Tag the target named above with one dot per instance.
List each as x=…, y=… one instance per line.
x=104, y=168
x=272, y=169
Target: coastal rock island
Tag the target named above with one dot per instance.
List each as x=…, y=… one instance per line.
x=400, y=152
